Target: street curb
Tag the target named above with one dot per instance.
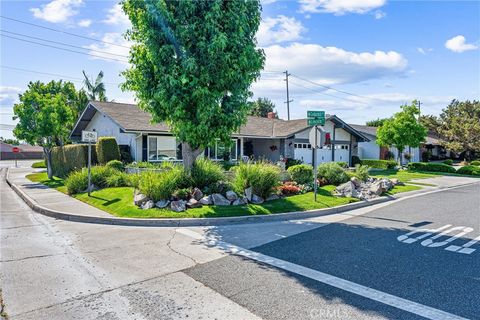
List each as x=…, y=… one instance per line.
x=192, y=222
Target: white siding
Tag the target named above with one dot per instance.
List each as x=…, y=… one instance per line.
x=368, y=150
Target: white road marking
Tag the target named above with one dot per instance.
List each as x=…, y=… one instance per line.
x=427, y=232
x=382, y=297
x=464, y=248
x=432, y=244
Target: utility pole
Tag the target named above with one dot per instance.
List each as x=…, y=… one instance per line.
x=419, y=113
x=288, y=95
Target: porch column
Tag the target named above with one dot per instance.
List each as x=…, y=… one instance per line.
x=241, y=148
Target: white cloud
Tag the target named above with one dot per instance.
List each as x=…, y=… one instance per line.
x=279, y=29
x=116, y=16
x=459, y=44
x=424, y=51
x=113, y=43
x=57, y=11
x=339, y=7
x=85, y=23
x=9, y=93
x=379, y=14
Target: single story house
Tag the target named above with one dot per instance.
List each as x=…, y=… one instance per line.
x=260, y=138
x=26, y=152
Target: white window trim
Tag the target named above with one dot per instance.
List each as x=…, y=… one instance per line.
x=235, y=143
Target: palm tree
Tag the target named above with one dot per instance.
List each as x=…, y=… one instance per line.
x=95, y=91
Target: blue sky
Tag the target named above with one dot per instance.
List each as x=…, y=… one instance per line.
x=384, y=53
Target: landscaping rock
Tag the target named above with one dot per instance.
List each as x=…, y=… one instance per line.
x=386, y=184
x=376, y=188
x=148, y=205
x=178, y=206
x=256, y=199
x=207, y=200
x=397, y=182
x=139, y=199
x=347, y=189
x=240, y=201
x=272, y=197
x=249, y=193
x=197, y=194
x=232, y=196
x=220, y=200
x=357, y=182
x=192, y=203
x=162, y=204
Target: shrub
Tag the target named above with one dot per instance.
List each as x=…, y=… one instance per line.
x=70, y=158
x=118, y=179
x=332, y=173
x=379, y=164
x=107, y=149
x=115, y=164
x=161, y=185
x=125, y=154
x=426, y=155
x=342, y=164
x=292, y=162
x=289, y=189
x=263, y=177
x=448, y=161
x=356, y=160
x=301, y=173
x=182, y=194
x=389, y=155
x=470, y=170
x=475, y=163
x=431, y=166
x=361, y=172
x=77, y=181
x=227, y=165
x=218, y=187
x=205, y=172
x=39, y=164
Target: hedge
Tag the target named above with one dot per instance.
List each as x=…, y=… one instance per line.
x=475, y=163
x=471, y=170
x=379, y=164
x=70, y=158
x=301, y=173
x=431, y=166
x=107, y=150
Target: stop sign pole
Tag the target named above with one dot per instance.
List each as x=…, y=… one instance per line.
x=15, y=150
x=315, y=118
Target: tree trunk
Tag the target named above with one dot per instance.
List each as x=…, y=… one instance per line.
x=48, y=159
x=189, y=155
x=399, y=156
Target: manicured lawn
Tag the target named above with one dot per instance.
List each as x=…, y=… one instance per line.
x=403, y=175
x=39, y=164
x=405, y=188
x=41, y=177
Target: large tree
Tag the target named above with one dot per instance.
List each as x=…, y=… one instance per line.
x=95, y=89
x=402, y=130
x=459, y=127
x=192, y=64
x=376, y=123
x=262, y=107
x=46, y=113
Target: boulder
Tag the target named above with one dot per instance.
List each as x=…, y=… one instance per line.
x=192, y=203
x=220, y=200
x=357, y=182
x=178, y=206
x=376, y=188
x=148, y=205
x=139, y=199
x=240, y=201
x=386, y=184
x=232, y=196
x=396, y=182
x=272, y=197
x=162, y=204
x=249, y=193
x=347, y=189
x=256, y=199
x=207, y=200
x=197, y=194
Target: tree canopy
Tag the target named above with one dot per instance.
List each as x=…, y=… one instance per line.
x=376, y=123
x=261, y=107
x=95, y=89
x=46, y=113
x=192, y=63
x=402, y=130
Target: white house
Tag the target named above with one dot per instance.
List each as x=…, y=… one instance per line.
x=260, y=138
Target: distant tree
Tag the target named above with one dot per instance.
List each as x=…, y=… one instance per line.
x=95, y=90
x=192, y=64
x=431, y=122
x=13, y=142
x=376, y=123
x=460, y=127
x=46, y=113
x=261, y=107
x=402, y=130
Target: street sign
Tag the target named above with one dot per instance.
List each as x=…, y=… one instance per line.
x=15, y=149
x=316, y=137
x=315, y=114
x=316, y=121
x=89, y=136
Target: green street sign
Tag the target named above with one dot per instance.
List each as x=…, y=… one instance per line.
x=315, y=114
x=317, y=121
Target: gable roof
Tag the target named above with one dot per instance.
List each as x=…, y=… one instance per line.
x=431, y=138
x=130, y=118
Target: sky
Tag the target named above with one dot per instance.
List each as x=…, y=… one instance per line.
x=358, y=59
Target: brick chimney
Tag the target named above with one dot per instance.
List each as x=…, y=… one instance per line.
x=271, y=115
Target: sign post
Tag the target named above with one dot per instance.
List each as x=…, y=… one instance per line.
x=316, y=138
x=89, y=136
x=15, y=151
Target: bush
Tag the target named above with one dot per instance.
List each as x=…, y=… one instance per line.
x=263, y=177
x=70, y=158
x=77, y=181
x=125, y=154
x=361, y=172
x=218, y=187
x=342, y=164
x=470, y=170
x=206, y=172
x=356, y=160
x=118, y=179
x=292, y=162
x=289, y=189
x=475, y=163
x=332, y=173
x=115, y=164
x=426, y=155
x=301, y=173
x=161, y=185
x=448, y=161
x=389, y=155
x=379, y=164
x=431, y=166
x=107, y=150
x=182, y=194
x=39, y=164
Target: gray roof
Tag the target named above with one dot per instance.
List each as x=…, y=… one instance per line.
x=372, y=132
x=131, y=118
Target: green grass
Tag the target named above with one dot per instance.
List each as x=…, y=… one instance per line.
x=404, y=188
x=39, y=164
x=403, y=175
x=55, y=183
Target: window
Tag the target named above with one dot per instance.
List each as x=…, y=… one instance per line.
x=302, y=146
x=219, y=151
x=162, y=148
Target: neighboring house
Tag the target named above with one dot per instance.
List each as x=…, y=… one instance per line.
x=371, y=150
x=260, y=138
x=26, y=152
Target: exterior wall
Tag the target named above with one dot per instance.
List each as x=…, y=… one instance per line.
x=261, y=149
x=369, y=150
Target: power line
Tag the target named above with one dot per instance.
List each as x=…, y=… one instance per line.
x=64, y=49
x=61, y=31
x=325, y=94
x=62, y=43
